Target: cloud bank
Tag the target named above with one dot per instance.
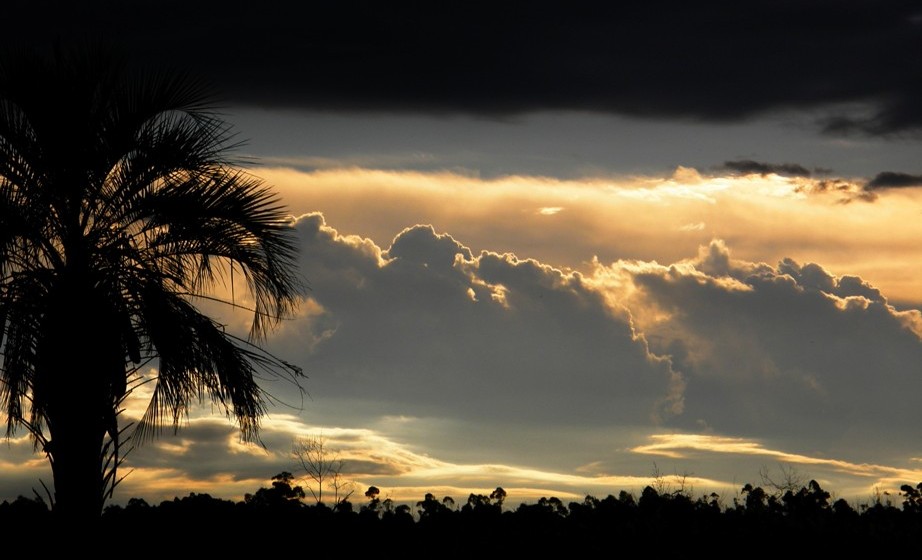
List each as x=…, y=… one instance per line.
x=430, y=358
x=490, y=338
x=726, y=61
x=787, y=351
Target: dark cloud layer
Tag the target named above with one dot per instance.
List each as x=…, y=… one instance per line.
x=200, y=451
x=747, y=166
x=891, y=179
x=717, y=61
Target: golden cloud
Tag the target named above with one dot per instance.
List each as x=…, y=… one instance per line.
x=764, y=218
x=679, y=446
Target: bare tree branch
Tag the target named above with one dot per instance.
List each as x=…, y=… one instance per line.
x=322, y=466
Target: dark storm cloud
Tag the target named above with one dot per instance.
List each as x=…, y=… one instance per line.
x=748, y=166
x=715, y=61
x=890, y=180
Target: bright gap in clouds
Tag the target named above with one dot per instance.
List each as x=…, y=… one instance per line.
x=207, y=456
x=662, y=219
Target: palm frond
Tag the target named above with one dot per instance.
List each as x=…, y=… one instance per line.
x=199, y=362
x=117, y=190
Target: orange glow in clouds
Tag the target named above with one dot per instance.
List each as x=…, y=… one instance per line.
x=568, y=222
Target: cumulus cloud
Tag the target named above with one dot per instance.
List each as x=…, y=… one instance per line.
x=789, y=351
x=428, y=328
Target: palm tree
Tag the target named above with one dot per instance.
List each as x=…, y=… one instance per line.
x=120, y=213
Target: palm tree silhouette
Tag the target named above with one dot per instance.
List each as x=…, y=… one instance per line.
x=120, y=210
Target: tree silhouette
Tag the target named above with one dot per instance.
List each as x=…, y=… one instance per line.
x=282, y=495
x=669, y=524
x=120, y=214
x=322, y=466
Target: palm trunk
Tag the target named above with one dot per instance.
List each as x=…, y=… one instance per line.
x=77, y=465
x=76, y=360
x=77, y=428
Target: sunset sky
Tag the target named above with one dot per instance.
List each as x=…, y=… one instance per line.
x=558, y=249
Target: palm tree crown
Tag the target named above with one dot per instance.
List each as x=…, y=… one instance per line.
x=119, y=211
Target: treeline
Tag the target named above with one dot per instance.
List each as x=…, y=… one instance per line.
x=276, y=519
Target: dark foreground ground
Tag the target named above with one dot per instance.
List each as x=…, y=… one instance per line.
x=660, y=525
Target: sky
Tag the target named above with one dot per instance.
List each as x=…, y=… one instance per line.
x=559, y=248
